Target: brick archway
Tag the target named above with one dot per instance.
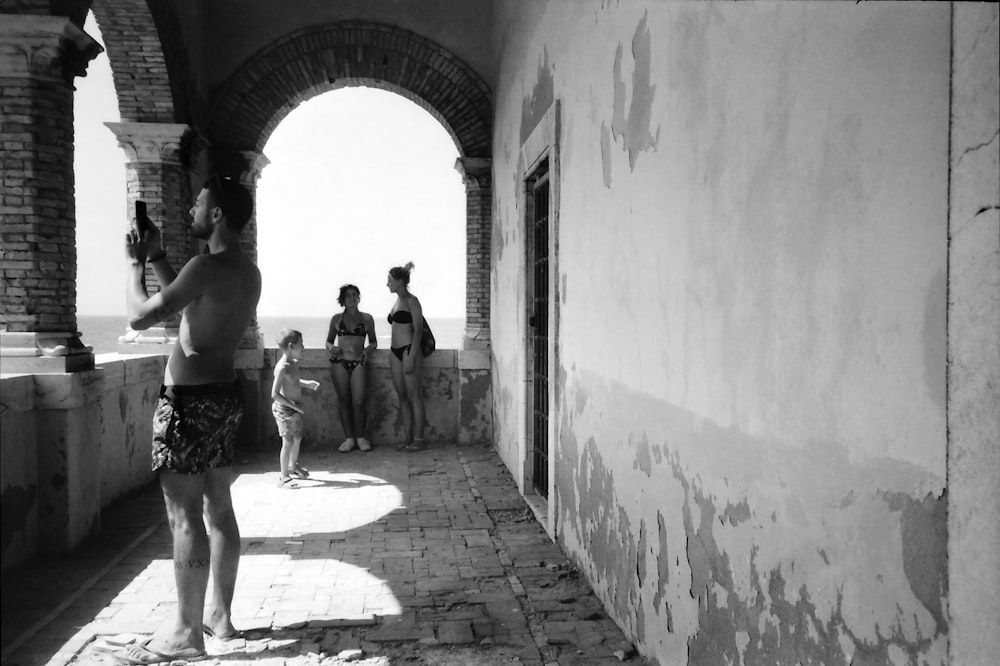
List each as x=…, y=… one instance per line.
x=259, y=95
x=156, y=87
x=319, y=59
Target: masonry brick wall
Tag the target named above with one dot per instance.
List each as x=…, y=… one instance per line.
x=164, y=189
x=138, y=63
x=477, y=257
x=37, y=232
x=303, y=64
x=322, y=58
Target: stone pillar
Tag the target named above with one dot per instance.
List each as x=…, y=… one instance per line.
x=246, y=166
x=40, y=58
x=155, y=174
x=477, y=176
x=974, y=338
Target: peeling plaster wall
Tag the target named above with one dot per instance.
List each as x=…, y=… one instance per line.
x=18, y=470
x=131, y=390
x=974, y=337
x=72, y=443
x=750, y=441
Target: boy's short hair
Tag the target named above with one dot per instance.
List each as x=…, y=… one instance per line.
x=287, y=336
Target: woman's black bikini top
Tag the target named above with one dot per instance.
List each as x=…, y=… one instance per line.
x=400, y=317
x=358, y=330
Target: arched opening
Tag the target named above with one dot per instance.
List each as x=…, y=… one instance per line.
x=360, y=180
x=99, y=169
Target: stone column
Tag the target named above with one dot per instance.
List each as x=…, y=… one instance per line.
x=477, y=176
x=40, y=58
x=246, y=166
x=154, y=173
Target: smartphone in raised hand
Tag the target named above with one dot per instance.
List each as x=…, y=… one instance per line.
x=142, y=221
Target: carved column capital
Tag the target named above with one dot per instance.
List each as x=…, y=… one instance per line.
x=46, y=47
x=155, y=143
x=243, y=165
x=477, y=172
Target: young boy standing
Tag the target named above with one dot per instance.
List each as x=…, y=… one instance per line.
x=286, y=392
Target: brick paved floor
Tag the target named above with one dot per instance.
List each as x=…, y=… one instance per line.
x=411, y=558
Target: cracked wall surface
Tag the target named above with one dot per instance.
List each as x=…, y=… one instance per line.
x=750, y=440
x=974, y=336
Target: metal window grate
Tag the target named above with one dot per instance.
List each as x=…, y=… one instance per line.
x=540, y=333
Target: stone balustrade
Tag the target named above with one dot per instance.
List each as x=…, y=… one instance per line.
x=74, y=442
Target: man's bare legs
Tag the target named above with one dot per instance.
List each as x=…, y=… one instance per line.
x=183, y=497
x=192, y=500
x=224, y=539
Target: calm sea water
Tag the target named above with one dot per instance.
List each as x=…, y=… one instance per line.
x=102, y=331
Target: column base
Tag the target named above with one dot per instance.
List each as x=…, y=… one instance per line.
x=30, y=352
x=476, y=338
x=154, y=340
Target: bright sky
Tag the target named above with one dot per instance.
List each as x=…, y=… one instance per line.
x=360, y=180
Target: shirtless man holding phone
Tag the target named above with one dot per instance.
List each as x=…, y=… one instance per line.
x=199, y=409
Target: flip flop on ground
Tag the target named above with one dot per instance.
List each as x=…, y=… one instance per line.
x=141, y=653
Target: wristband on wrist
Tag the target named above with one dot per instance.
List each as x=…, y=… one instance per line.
x=160, y=257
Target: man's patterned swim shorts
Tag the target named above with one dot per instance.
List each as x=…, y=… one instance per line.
x=194, y=427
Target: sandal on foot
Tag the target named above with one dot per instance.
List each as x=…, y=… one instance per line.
x=415, y=445
x=299, y=471
x=208, y=631
x=141, y=653
x=287, y=482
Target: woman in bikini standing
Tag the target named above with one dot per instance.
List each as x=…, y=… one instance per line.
x=406, y=361
x=348, y=354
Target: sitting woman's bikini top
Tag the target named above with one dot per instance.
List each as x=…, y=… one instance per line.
x=358, y=330
x=400, y=317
